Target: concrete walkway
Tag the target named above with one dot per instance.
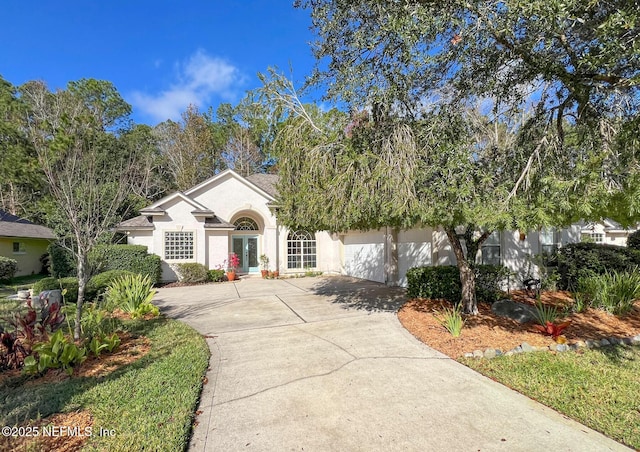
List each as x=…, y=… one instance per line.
x=322, y=364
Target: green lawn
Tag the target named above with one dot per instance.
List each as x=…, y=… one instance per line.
x=599, y=388
x=150, y=403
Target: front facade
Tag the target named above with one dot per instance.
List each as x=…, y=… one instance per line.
x=229, y=213
x=24, y=242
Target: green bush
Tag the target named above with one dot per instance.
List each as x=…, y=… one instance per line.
x=62, y=262
x=489, y=282
x=8, y=268
x=633, y=241
x=132, y=294
x=192, y=272
x=133, y=258
x=614, y=292
x=582, y=260
x=216, y=275
x=70, y=283
x=98, y=284
x=49, y=283
x=444, y=282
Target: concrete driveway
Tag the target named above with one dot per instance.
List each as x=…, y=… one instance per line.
x=322, y=364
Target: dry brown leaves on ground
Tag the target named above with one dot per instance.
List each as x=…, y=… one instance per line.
x=486, y=330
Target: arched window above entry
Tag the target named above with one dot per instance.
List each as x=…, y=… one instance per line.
x=246, y=224
x=301, y=250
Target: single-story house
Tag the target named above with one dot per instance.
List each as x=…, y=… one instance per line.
x=24, y=241
x=230, y=213
x=606, y=232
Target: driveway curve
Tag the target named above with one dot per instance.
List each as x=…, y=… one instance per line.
x=322, y=364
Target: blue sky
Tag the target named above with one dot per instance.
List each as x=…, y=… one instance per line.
x=161, y=55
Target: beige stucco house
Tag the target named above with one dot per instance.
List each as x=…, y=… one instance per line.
x=230, y=213
x=606, y=232
x=23, y=241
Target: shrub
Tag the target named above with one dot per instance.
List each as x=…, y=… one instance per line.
x=444, y=282
x=8, y=268
x=452, y=320
x=132, y=294
x=489, y=280
x=98, y=284
x=192, y=272
x=580, y=260
x=62, y=261
x=57, y=352
x=133, y=258
x=216, y=275
x=633, y=241
x=614, y=292
x=69, y=283
x=49, y=283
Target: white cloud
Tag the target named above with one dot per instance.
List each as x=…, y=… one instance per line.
x=198, y=79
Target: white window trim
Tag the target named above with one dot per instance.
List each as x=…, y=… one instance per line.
x=499, y=245
x=302, y=254
x=195, y=247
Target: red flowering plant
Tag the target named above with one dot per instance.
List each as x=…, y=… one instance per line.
x=233, y=263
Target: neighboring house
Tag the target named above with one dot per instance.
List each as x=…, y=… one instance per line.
x=24, y=241
x=606, y=232
x=230, y=213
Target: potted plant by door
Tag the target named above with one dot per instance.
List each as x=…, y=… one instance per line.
x=232, y=265
x=264, y=263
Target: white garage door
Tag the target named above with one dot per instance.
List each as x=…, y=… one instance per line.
x=364, y=255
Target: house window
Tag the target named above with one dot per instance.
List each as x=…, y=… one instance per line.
x=597, y=237
x=301, y=250
x=178, y=245
x=246, y=224
x=18, y=248
x=548, y=241
x=491, y=250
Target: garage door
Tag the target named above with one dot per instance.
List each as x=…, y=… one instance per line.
x=364, y=255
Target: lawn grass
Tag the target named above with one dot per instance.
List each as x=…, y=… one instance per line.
x=150, y=402
x=598, y=387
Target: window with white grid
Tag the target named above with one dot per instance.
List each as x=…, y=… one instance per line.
x=301, y=250
x=178, y=245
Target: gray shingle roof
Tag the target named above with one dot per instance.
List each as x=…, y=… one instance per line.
x=216, y=223
x=139, y=222
x=266, y=182
x=12, y=226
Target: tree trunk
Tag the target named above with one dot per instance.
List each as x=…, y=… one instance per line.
x=467, y=274
x=82, y=283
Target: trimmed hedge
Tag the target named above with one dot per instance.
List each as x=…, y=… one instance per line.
x=62, y=262
x=443, y=281
x=8, y=268
x=582, y=260
x=70, y=283
x=192, y=272
x=98, y=284
x=633, y=241
x=133, y=258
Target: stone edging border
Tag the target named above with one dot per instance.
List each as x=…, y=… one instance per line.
x=526, y=348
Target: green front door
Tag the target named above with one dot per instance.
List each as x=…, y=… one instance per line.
x=246, y=247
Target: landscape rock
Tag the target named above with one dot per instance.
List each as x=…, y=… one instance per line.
x=526, y=347
x=561, y=347
x=592, y=344
x=478, y=354
x=490, y=353
x=604, y=342
x=635, y=340
x=519, y=312
x=626, y=341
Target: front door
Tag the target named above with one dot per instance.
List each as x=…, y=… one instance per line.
x=246, y=247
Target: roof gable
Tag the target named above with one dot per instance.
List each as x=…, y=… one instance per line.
x=260, y=185
x=158, y=204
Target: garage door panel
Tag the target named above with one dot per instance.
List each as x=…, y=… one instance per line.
x=364, y=256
